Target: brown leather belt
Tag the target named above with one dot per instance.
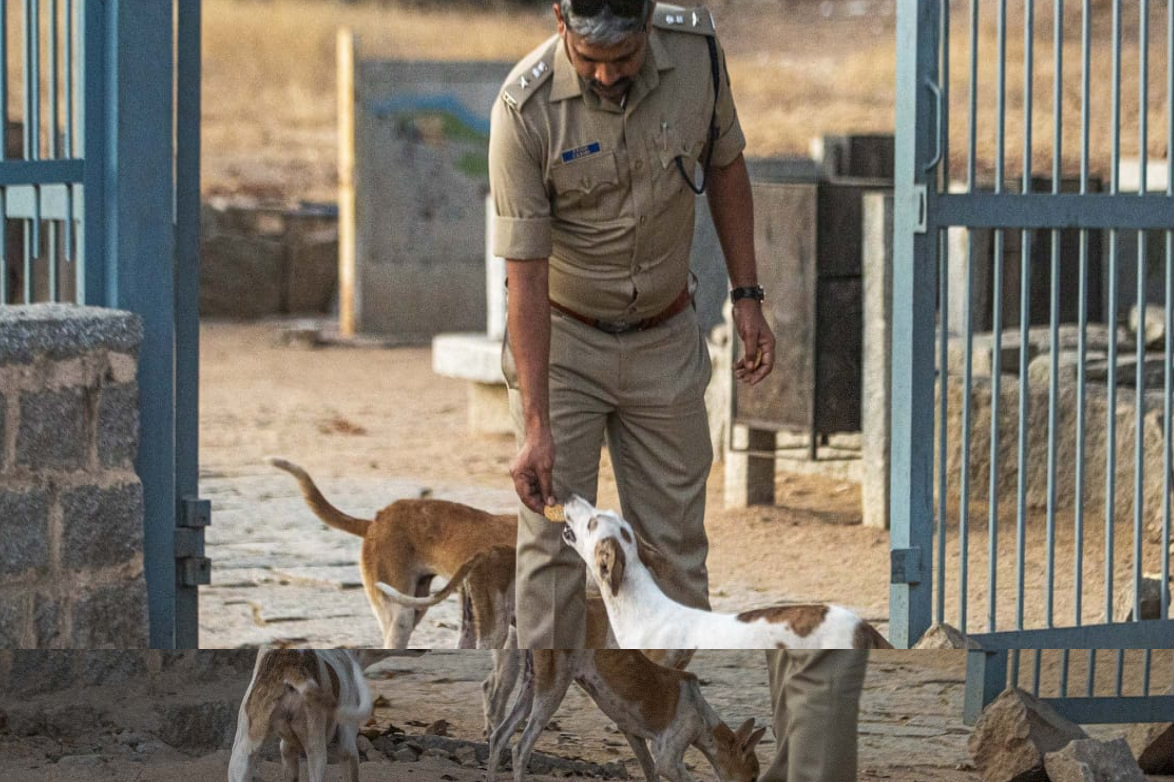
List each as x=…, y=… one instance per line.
x=621, y=327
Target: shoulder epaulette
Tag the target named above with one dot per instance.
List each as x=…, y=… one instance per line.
x=527, y=81
x=686, y=20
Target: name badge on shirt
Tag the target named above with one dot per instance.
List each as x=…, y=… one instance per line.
x=578, y=152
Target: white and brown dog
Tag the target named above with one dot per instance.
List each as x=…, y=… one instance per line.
x=305, y=697
x=409, y=543
x=643, y=616
x=657, y=708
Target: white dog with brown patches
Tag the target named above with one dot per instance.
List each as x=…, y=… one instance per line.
x=644, y=617
x=660, y=711
x=304, y=697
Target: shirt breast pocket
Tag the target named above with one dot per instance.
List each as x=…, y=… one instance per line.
x=591, y=182
x=670, y=145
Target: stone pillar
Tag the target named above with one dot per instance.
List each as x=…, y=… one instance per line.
x=750, y=467
x=71, y=505
x=877, y=262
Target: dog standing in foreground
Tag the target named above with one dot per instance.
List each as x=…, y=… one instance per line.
x=409, y=543
x=660, y=711
x=305, y=697
x=643, y=616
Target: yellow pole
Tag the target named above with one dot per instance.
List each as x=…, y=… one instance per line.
x=346, y=182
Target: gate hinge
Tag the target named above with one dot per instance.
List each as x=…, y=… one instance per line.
x=920, y=208
x=192, y=568
x=905, y=566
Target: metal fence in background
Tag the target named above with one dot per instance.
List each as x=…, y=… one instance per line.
x=41, y=158
x=99, y=205
x=1033, y=509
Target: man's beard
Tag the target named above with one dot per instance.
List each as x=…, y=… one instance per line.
x=613, y=93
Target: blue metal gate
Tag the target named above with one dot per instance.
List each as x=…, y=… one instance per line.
x=1012, y=285
x=99, y=205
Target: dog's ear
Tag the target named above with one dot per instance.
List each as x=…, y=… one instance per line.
x=752, y=741
x=652, y=557
x=610, y=563
x=744, y=730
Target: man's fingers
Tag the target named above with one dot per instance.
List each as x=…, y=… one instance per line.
x=546, y=486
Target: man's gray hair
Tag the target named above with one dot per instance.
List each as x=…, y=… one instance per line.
x=605, y=28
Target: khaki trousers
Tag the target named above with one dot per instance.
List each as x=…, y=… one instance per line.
x=644, y=392
x=816, y=701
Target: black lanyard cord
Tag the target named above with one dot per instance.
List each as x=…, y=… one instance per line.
x=713, y=129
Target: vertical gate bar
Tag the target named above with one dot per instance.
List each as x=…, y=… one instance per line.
x=1092, y=671
x=1035, y=677
x=972, y=119
x=967, y=387
x=1082, y=337
x=968, y=349
x=1142, y=273
x=1168, y=410
x=943, y=323
x=97, y=287
x=35, y=118
x=26, y=117
x=1146, y=666
x=69, y=99
x=997, y=345
x=3, y=149
x=54, y=93
x=54, y=290
x=1120, y=672
x=986, y=677
x=1111, y=382
x=914, y=294
x=1054, y=317
x=1025, y=240
x=944, y=83
x=187, y=290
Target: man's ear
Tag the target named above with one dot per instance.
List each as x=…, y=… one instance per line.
x=558, y=15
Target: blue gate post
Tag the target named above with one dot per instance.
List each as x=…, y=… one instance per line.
x=140, y=245
x=193, y=569
x=914, y=302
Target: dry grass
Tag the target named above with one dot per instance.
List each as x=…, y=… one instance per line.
x=269, y=88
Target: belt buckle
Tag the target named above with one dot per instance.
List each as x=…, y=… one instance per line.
x=616, y=327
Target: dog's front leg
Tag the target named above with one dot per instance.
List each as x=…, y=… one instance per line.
x=640, y=749
x=291, y=757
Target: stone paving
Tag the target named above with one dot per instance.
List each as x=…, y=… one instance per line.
x=279, y=575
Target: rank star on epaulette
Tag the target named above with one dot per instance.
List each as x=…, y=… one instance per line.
x=538, y=69
x=522, y=82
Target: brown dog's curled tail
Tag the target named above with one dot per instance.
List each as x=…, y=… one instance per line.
x=329, y=514
x=454, y=583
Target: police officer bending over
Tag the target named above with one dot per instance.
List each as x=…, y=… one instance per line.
x=597, y=143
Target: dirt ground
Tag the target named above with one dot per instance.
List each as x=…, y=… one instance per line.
x=371, y=413
x=910, y=727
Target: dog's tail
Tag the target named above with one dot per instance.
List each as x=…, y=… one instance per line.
x=868, y=637
x=454, y=583
x=329, y=514
x=361, y=713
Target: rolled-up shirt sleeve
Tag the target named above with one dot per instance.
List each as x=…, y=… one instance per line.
x=730, y=140
x=521, y=222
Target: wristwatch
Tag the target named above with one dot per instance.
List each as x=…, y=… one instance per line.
x=747, y=292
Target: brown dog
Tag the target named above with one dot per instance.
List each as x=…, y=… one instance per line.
x=409, y=543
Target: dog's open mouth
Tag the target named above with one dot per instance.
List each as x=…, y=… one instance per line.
x=569, y=535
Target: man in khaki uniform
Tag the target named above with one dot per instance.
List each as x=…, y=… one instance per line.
x=816, y=700
x=593, y=157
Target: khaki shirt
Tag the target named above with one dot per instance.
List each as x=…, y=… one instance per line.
x=595, y=187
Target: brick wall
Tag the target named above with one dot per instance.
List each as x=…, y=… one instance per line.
x=71, y=505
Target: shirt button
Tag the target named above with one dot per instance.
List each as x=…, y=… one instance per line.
x=643, y=219
x=639, y=164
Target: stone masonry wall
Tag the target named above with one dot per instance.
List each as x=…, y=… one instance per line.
x=71, y=505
